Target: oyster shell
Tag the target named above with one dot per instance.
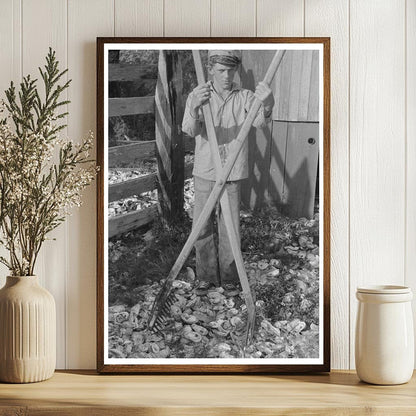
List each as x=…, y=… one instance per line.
x=237, y=322
x=154, y=348
x=190, y=274
x=223, y=346
x=188, y=319
x=121, y=317
x=275, y=262
x=262, y=264
x=164, y=353
x=116, y=309
x=273, y=272
x=143, y=347
x=176, y=311
x=193, y=336
x=116, y=353
x=269, y=328
x=200, y=330
x=216, y=324
x=137, y=338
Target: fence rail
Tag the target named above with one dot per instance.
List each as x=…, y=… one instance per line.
x=139, y=185
x=131, y=220
x=128, y=154
x=131, y=72
x=131, y=106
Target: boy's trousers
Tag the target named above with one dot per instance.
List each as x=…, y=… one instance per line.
x=209, y=266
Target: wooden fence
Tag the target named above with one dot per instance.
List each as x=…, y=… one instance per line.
x=168, y=148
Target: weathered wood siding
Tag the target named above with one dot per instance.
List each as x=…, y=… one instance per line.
x=283, y=156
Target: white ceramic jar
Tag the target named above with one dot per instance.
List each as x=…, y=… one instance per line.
x=384, y=342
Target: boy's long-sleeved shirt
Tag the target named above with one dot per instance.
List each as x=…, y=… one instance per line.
x=228, y=116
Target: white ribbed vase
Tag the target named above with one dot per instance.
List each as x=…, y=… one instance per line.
x=27, y=331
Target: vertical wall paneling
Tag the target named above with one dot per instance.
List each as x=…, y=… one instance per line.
x=313, y=105
x=44, y=25
x=331, y=18
x=233, y=18
x=275, y=18
x=377, y=143
x=308, y=79
x=86, y=21
x=10, y=67
x=10, y=44
x=282, y=84
x=411, y=149
x=138, y=17
x=255, y=191
x=187, y=18
x=297, y=83
x=280, y=18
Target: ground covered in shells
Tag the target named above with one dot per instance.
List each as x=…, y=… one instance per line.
x=282, y=262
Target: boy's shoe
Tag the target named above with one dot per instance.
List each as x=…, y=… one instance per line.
x=232, y=289
x=203, y=287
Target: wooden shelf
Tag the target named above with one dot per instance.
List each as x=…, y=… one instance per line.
x=86, y=393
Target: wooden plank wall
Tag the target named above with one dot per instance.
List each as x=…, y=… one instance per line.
x=373, y=150
x=283, y=163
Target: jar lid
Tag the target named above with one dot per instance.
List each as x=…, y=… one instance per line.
x=384, y=289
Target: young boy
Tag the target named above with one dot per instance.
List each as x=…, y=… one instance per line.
x=229, y=105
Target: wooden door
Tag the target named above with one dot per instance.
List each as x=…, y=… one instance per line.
x=294, y=167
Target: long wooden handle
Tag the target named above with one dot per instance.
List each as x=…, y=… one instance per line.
x=209, y=122
x=226, y=170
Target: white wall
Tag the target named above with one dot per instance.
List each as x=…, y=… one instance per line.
x=373, y=128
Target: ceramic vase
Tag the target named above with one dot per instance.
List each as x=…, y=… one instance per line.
x=384, y=344
x=27, y=331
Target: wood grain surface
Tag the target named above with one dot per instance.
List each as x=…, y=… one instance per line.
x=80, y=246
x=138, y=17
x=182, y=18
x=377, y=148
x=35, y=45
x=331, y=18
x=233, y=18
x=85, y=393
x=410, y=275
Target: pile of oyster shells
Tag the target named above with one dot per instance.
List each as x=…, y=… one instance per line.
x=149, y=198
x=208, y=326
x=282, y=263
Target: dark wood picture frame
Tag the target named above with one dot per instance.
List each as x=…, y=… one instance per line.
x=256, y=367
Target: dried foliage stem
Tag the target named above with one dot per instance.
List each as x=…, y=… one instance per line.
x=36, y=193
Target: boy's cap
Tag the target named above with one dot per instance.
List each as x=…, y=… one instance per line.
x=230, y=53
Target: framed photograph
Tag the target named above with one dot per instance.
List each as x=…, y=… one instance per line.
x=213, y=201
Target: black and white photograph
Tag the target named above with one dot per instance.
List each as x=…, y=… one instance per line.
x=213, y=205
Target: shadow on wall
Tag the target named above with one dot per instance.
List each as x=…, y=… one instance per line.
x=292, y=194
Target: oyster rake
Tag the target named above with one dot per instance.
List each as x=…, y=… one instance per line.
x=225, y=205
x=164, y=299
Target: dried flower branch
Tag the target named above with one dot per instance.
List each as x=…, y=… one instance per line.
x=36, y=193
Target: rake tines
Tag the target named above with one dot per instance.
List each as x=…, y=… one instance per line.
x=160, y=312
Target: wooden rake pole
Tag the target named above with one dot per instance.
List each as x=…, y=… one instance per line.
x=215, y=193
x=225, y=207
